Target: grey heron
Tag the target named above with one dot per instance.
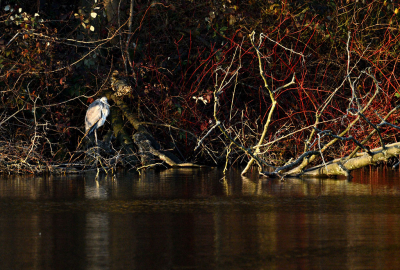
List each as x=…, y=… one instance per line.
x=96, y=115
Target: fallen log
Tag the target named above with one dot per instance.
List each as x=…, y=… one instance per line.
x=343, y=166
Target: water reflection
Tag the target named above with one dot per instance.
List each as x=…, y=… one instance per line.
x=94, y=190
x=97, y=241
x=197, y=219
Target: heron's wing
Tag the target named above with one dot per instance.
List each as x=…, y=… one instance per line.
x=93, y=115
x=106, y=110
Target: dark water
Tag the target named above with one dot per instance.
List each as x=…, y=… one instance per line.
x=194, y=219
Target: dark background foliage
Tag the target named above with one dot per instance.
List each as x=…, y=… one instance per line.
x=56, y=57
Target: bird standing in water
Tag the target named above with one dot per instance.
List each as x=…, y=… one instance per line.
x=96, y=115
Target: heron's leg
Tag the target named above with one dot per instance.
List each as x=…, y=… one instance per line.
x=97, y=150
x=95, y=136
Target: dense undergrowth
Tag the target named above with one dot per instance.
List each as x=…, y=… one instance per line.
x=57, y=58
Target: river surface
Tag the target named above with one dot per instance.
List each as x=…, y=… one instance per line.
x=196, y=219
